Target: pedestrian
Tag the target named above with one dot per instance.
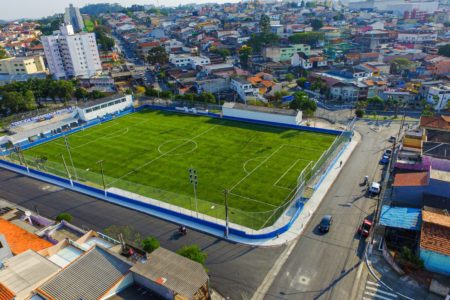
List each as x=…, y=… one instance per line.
x=340, y=163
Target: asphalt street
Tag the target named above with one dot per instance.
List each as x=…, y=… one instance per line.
x=319, y=267
x=325, y=266
x=236, y=270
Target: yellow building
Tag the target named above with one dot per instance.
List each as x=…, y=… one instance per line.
x=22, y=65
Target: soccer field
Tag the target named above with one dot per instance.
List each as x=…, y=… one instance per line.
x=150, y=152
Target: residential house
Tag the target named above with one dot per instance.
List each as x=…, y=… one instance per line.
x=243, y=88
x=435, y=240
x=22, y=65
x=308, y=61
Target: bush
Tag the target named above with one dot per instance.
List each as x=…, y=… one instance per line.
x=150, y=244
x=193, y=252
x=359, y=113
x=408, y=255
x=64, y=216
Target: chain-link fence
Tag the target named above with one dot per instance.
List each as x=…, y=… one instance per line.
x=266, y=216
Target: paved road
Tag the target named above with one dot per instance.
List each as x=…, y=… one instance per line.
x=325, y=266
x=236, y=270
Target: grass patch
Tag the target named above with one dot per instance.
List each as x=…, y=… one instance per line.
x=150, y=152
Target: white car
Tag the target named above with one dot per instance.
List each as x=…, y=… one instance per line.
x=375, y=188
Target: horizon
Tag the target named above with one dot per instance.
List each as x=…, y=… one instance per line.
x=27, y=9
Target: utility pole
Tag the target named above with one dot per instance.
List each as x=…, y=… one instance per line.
x=67, y=170
x=225, y=192
x=66, y=142
x=193, y=179
x=103, y=175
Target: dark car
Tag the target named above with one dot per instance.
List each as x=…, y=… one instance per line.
x=392, y=139
x=325, y=224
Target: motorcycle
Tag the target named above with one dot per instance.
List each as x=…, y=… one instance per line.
x=182, y=230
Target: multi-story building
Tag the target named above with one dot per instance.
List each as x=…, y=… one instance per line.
x=72, y=55
x=243, y=88
x=184, y=60
x=72, y=16
x=416, y=36
x=22, y=65
x=439, y=96
x=278, y=54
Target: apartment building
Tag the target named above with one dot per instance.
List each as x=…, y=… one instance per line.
x=184, y=60
x=22, y=65
x=71, y=54
x=278, y=54
x=72, y=16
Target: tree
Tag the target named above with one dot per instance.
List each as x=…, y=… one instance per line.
x=301, y=82
x=444, y=50
x=310, y=38
x=96, y=94
x=158, y=55
x=244, y=55
x=264, y=24
x=289, y=77
x=150, y=244
x=359, y=113
x=316, y=24
x=3, y=53
x=64, y=216
x=103, y=39
x=220, y=51
x=140, y=89
x=81, y=93
x=128, y=233
x=193, y=252
x=304, y=103
x=263, y=39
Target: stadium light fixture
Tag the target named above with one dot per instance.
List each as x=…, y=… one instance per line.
x=194, y=180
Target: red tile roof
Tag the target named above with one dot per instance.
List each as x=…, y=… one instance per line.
x=5, y=293
x=411, y=179
x=20, y=240
x=441, y=122
x=435, y=238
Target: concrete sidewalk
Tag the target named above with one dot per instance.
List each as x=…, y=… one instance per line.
x=296, y=229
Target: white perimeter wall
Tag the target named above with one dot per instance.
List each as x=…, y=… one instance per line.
x=262, y=116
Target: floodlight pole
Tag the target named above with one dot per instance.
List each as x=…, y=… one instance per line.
x=103, y=176
x=225, y=192
x=67, y=170
x=193, y=179
x=66, y=142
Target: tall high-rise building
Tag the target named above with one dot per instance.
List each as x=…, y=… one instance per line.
x=73, y=17
x=71, y=54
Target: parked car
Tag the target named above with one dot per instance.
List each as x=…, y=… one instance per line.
x=392, y=139
x=325, y=224
x=365, y=227
x=388, y=152
x=375, y=188
x=384, y=160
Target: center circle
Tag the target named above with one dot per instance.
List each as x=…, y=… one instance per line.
x=177, y=147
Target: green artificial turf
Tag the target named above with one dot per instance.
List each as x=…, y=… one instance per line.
x=150, y=152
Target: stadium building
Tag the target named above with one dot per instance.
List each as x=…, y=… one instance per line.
x=104, y=106
x=260, y=113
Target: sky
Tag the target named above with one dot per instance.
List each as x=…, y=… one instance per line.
x=16, y=9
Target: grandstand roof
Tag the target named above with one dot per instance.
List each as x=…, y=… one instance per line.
x=263, y=109
x=100, y=101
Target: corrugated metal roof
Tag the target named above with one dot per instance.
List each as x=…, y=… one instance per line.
x=88, y=277
x=181, y=275
x=401, y=217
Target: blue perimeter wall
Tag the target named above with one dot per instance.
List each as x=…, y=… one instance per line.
x=99, y=193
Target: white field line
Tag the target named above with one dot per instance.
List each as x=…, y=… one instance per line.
x=287, y=171
x=257, y=167
x=164, y=154
x=251, y=199
x=244, y=167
